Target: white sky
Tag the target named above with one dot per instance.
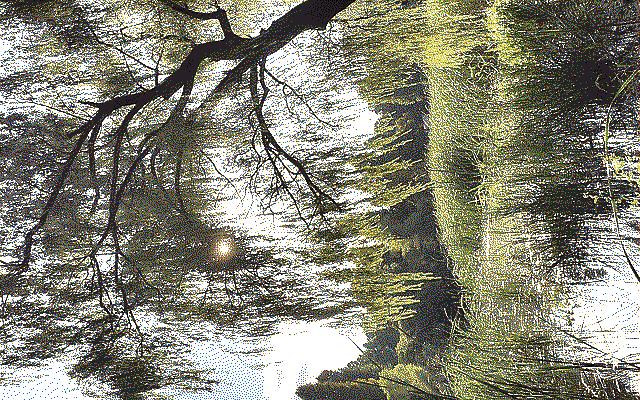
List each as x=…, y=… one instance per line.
x=294, y=356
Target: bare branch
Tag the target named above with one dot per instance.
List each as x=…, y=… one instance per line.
x=301, y=98
x=251, y=53
x=84, y=131
x=278, y=156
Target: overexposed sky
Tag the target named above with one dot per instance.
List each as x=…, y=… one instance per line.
x=294, y=356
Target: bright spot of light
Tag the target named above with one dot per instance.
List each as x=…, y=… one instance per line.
x=224, y=248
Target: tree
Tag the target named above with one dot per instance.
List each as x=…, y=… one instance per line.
x=120, y=224
x=251, y=54
x=109, y=188
x=115, y=122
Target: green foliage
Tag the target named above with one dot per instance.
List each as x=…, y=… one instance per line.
x=488, y=142
x=408, y=381
x=515, y=162
x=340, y=391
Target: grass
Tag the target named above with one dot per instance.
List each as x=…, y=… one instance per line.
x=516, y=94
x=458, y=101
x=515, y=166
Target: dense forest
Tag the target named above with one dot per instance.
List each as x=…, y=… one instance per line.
x=176, y=172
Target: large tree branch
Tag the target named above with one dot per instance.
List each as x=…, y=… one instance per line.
x=309, y=14
x=218, y=14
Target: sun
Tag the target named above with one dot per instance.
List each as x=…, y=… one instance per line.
x=224, y=248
